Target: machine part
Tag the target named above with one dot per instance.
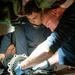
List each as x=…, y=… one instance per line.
x=1, y=71
x=6, y=28
x=17, y=59
x=14, y=62
x=3, y=66
x=6, y=60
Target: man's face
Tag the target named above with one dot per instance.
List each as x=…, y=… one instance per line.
x=34, y=18
x=50, y=20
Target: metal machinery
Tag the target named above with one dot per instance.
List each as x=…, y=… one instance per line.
x=11, y=62
x=14, y=62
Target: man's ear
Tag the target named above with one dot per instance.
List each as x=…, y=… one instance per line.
x=55, y=12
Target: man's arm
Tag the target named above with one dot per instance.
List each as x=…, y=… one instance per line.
x=40, y=54
x=5, y=43
x=2, y=56
x=52, y=60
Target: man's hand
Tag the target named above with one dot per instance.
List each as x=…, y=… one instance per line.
x=42, y=65
x=2, y=56
x=18, y=70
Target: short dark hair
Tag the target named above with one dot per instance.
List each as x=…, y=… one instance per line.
x=31, y=7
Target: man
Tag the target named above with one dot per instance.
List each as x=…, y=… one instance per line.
x=36, y=32
x=62, y=36
x=29, y=36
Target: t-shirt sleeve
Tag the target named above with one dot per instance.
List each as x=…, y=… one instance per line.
x=63, y=33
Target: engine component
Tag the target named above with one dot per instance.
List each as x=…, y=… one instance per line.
x=17, y=59
x=6, y=60
x=14, y=62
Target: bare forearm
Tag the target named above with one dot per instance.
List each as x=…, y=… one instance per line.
x=54, y=59
x=35, y=58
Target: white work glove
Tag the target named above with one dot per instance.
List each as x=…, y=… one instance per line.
x=42, y=65
x=19, y=71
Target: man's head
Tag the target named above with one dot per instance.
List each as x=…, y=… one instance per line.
x=51, y=17
x=33, y=13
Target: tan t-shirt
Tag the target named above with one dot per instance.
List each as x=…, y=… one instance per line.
x=73, y=0
x=67, y=3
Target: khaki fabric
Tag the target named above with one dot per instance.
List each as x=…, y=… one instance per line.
x=67, y=3
x=73, y=0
